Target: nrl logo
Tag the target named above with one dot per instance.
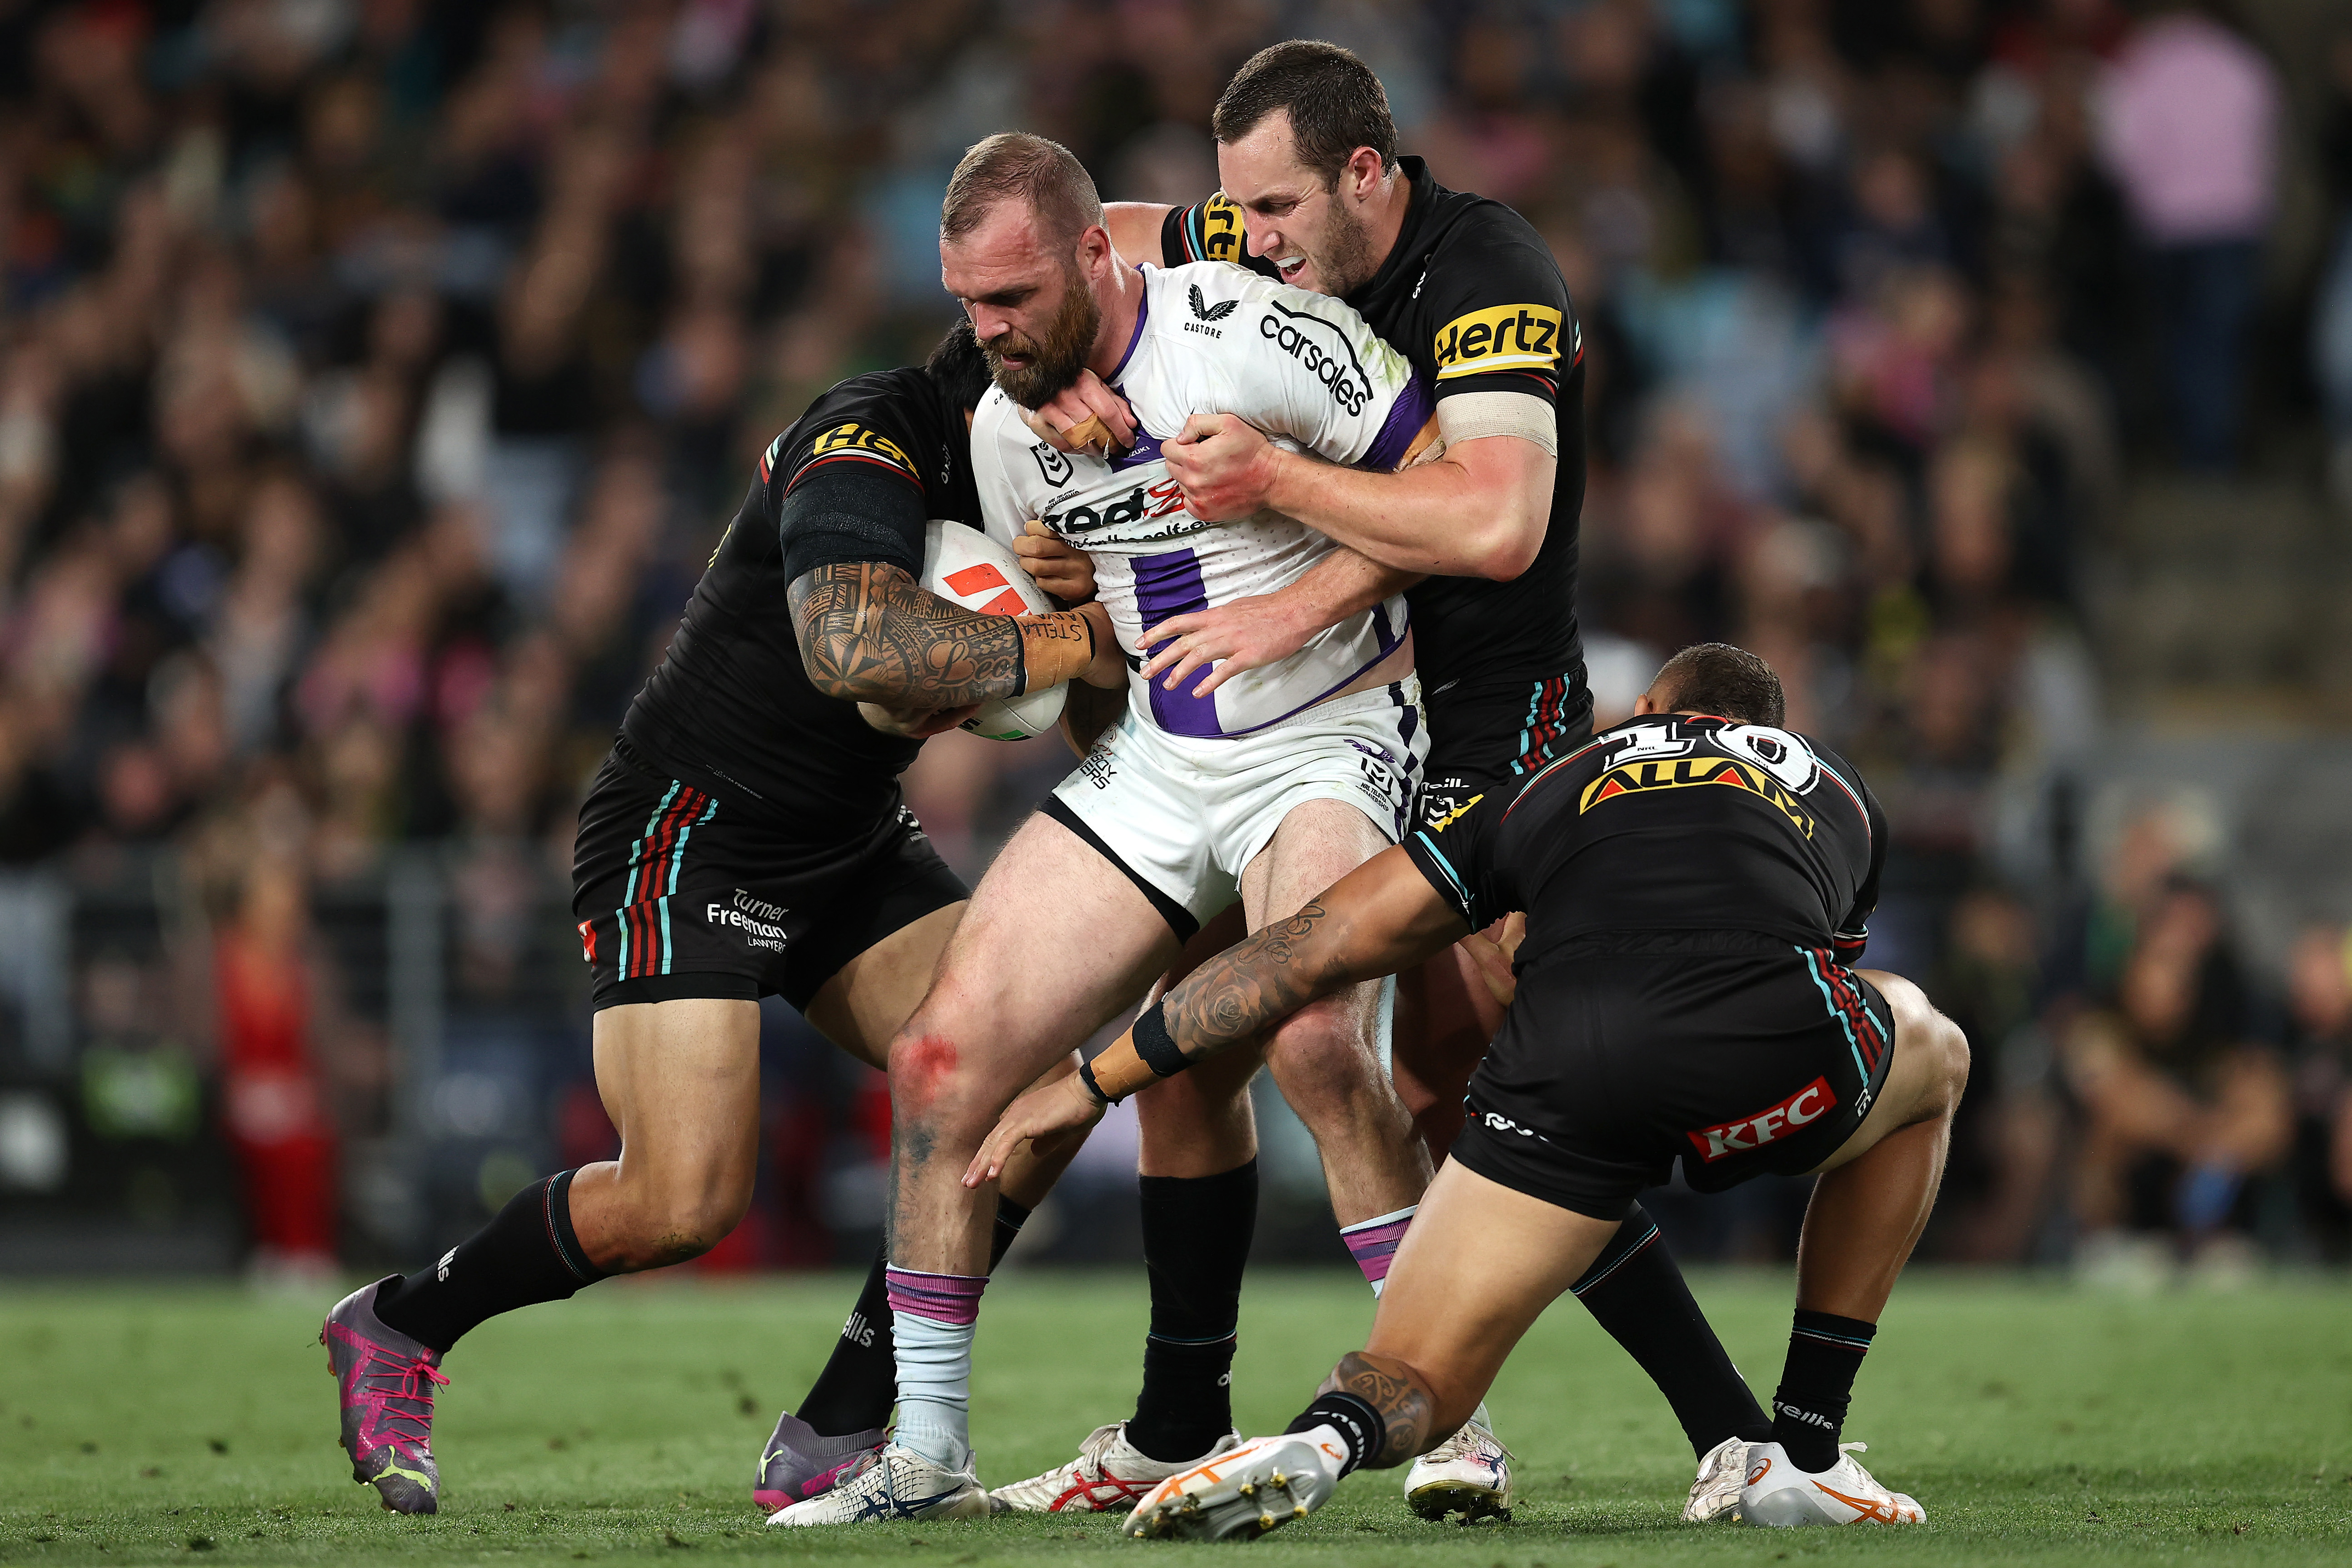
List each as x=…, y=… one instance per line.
x=1052, y=465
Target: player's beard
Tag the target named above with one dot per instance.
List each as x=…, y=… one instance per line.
x=1347, y=263
x=1054, y=362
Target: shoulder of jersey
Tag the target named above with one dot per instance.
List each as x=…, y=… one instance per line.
x=1532, y=335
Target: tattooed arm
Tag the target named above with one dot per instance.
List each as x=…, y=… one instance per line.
x=869, y=633
x=1380, y=918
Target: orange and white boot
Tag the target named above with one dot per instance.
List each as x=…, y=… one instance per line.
x=1777, y=1493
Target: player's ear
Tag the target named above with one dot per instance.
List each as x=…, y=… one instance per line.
x=1644, y=705
x=1095, y=248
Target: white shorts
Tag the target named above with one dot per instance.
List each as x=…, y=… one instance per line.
x=1183, y=816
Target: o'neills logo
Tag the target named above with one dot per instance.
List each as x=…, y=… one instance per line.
x=757, y=919
x=1752, y=1132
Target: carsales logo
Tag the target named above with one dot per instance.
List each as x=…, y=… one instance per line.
x=1752, y=1132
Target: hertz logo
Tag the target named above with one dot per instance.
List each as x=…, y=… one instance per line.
x=1506, y=337
x=1686, y=773
x=1220, y=228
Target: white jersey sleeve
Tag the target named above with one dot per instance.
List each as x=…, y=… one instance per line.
x=1003, y=514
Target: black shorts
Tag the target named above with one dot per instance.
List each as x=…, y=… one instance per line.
x=1740, y=1054
x=1497, y=737
x=679, y=894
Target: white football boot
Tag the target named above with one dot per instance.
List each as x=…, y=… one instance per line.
x=892, y=1483
x=1779, y=1494
x=1108, y=1475
x=1468, y=1474
x=1245, y=1491
x=1722, y=1475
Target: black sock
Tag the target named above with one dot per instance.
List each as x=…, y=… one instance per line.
x=860, y=1380
x=1808, y=1412
x=527, y=1253
x=1638, y=1295
x=1359, y=1425
x=1196, y=1242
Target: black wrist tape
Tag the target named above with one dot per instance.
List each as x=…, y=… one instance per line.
x=1352, y=1417
x=1154, y=1044
x=1086, y=1077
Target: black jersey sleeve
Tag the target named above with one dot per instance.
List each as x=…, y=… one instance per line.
x=1852, y=933
x=1504, y=323
x=850, y=515
x=1209, y=231
x=846, y=487
x=1456, y=854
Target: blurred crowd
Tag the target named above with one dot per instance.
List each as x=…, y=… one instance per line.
x=376, y=376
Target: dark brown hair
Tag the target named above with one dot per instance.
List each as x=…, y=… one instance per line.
x=1335, y=102
x=1045, y=175
x=1716, y=678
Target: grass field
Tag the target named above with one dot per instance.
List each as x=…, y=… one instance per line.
x=2037, y=1423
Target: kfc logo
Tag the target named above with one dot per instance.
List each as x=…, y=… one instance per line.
x=1752, y=1132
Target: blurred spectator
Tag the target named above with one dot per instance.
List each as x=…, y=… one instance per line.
x=2190, y=128
x=2181, y=1105
x=2319, y=1009
x=2331, y=329
x=277, y=1121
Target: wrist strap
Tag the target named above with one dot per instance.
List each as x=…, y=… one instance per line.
x=1087, y=1078
x=1055, y=646
x=1154, y=1044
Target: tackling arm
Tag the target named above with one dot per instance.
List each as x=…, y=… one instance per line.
x=1380, y=918
x=869, y=633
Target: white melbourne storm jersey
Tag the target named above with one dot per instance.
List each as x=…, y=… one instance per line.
x=1213, y=339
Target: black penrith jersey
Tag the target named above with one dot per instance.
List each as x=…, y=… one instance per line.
x=1472, y=296
x=732, y=706
x=1670, y=823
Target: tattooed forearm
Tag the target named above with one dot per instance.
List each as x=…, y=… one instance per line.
x=1406, y=1409
x=1246, y=988
x=868, y=633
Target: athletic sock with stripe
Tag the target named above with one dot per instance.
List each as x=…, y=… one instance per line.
x=1634, y=1290
x=1825, y=1351
x=1196, y=1242
x=932, y=1318
x=860, y=1381
x=526, y=1255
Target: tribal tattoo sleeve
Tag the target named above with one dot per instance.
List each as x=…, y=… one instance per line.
x=869, y=633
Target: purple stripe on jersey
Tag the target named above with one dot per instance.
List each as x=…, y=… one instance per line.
x=942, y=1298
x=1142, y=314
x=1146, y=448
x=1165, y=586
x=1406, y=416
x=1373, y=1244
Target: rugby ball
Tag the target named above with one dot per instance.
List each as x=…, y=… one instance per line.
x=965, y=566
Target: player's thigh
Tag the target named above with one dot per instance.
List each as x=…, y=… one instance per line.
x=1925, y=1075
x=1055, y=942
x=1479, y=1264
x=680, y=1080
x=870, y=998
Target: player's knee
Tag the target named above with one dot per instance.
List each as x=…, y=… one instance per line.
x=1325, y=1069
x=940, y=1082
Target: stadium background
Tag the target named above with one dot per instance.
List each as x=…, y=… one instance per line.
x=376, y=376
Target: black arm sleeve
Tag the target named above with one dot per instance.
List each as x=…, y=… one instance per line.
x=1457, y=857
x=850, y=511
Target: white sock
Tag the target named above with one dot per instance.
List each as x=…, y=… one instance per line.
x=1373, y=1242
x=934, y=1389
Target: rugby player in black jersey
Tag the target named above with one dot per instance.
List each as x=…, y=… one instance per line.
x=1697, y=884
x=747, y=837
x=1316, y=196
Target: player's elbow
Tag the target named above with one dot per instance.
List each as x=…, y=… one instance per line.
x=1505, y=545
